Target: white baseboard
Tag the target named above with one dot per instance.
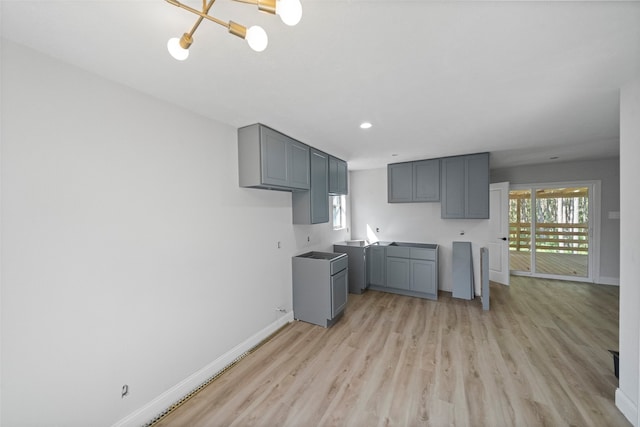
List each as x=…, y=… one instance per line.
x=613, y=281
x=627, y=407
x=161, y=403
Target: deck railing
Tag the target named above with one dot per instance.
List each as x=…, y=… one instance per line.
x=550, y=237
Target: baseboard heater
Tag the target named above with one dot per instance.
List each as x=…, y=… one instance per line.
x=211, y=379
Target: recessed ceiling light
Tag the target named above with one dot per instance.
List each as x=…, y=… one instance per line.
x=365, y=125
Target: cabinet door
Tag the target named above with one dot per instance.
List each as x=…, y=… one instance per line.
x=477, y=186
x=274, y=151
x=452, y=197
x=338, y=172
x=319, y=187
x=299, y=175
x=423, y=276
x=343, y=177
x=400, y=183
x=426, y=181
x=376, y=265
x=398, y=273
x=339, y=291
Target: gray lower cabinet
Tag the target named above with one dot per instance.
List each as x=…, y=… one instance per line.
x=398, y=273
x=423, y=276
x=408, y=270
x=376, y=263
x=465, y=187
x=414, y=181
x=312, y=207
x=358, y=254
x=320, y=287
x=338, y=177
x=271, y=160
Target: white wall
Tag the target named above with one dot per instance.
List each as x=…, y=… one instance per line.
x=607, y=171
x=627, y=393
x=129, y=253
x=411, y=222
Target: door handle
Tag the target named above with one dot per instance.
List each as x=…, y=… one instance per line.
x=503, y=238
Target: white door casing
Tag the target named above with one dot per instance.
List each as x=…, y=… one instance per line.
x=498, y=244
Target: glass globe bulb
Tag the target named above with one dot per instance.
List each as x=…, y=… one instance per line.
x=257, y=38
x=290, y=11
x=177, y=51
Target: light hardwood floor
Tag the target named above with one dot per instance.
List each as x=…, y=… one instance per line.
x=551, y=263
x=538, y=358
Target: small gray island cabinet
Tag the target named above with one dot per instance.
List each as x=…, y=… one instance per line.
x=271, y=160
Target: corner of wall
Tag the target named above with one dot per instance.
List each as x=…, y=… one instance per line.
x=156, y=407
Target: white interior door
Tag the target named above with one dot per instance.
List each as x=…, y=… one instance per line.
x=498, y=244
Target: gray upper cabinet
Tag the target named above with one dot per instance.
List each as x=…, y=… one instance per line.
x=414, y=181
x=271, y=160
x=400, y=183
x=426, y=181
x=465, y=187
x=338, y=182
x=312, y=207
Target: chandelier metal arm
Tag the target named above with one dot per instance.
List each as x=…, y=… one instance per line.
x=201, y=14
x=263, y=5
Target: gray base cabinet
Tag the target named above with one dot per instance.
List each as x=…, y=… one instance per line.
x=408, y=269
x=358, y=255
x=312, y=207
x=376, y=264
x=320, y=288
x=268, y=159
x=398, y=273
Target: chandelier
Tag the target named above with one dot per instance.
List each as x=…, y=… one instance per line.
x=290, y=11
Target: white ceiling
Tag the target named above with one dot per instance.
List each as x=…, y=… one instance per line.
x=524, y=80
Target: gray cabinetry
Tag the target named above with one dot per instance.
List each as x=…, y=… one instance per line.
x=338, y=180
x=271, y=160
x=423, y=276
x=414, y=181
x=376, y=265
x=462, y=270
x=465, y=186
x=312, y=207
x=358, y=254
x=398, y=273
x=426, y=181
x=400, y=183
x=320, y=287
x=411, y=269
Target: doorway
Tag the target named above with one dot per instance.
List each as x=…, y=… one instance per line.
x=552, y=229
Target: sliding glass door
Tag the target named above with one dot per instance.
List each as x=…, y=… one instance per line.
x=551, y=230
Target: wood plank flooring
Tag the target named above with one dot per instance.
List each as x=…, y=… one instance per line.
x=538, y=358
x=551, y=263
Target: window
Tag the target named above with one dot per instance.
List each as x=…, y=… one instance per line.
x=339, y=212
